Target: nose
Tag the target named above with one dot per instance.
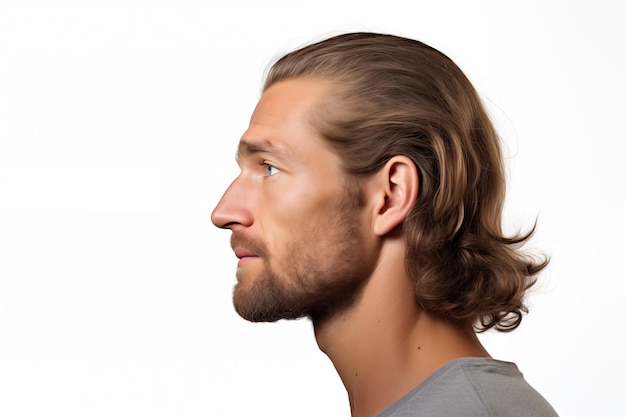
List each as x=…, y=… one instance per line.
x=232, y=208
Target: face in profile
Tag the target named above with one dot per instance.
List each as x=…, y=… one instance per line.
x=294, y=215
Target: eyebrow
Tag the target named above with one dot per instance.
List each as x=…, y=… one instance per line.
x=248, y=148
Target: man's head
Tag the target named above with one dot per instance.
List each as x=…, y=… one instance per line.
x=386, y=97
x=293, y=213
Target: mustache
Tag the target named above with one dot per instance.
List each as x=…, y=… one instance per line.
x=254, y=246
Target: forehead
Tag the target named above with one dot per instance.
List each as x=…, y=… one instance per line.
x=281, y=122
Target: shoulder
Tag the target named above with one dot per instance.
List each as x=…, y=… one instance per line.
x=473, y=387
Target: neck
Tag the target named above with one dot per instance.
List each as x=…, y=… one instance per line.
x=384, y=346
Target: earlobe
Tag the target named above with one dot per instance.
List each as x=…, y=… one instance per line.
x=399, y=186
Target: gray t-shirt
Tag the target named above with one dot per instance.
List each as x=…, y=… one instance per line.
x=472, y=387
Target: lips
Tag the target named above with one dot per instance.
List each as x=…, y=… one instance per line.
x=242, y=253
x=244, y=256
x=246, y=249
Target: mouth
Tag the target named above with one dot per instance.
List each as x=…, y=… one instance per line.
x=244, y=256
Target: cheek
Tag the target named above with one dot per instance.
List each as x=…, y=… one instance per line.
x=299, y=229
x=300, y=199
x=298, y=209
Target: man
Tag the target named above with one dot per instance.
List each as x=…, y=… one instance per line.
x=370, y=200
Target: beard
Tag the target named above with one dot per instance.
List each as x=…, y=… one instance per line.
x=323, y=269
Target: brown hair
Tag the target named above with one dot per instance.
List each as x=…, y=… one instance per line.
x=398, y=96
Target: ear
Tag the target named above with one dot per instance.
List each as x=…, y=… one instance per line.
x=397, y=186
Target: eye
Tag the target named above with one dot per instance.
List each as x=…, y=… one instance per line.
x=270, y=169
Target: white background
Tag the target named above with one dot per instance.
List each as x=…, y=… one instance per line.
x=118, y=127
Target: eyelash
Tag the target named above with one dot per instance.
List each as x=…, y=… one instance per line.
x=267, y=167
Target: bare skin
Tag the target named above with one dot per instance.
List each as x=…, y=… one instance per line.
x=286, y=197
x=384, y=346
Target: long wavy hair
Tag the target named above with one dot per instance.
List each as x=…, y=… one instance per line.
x=398, y=96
